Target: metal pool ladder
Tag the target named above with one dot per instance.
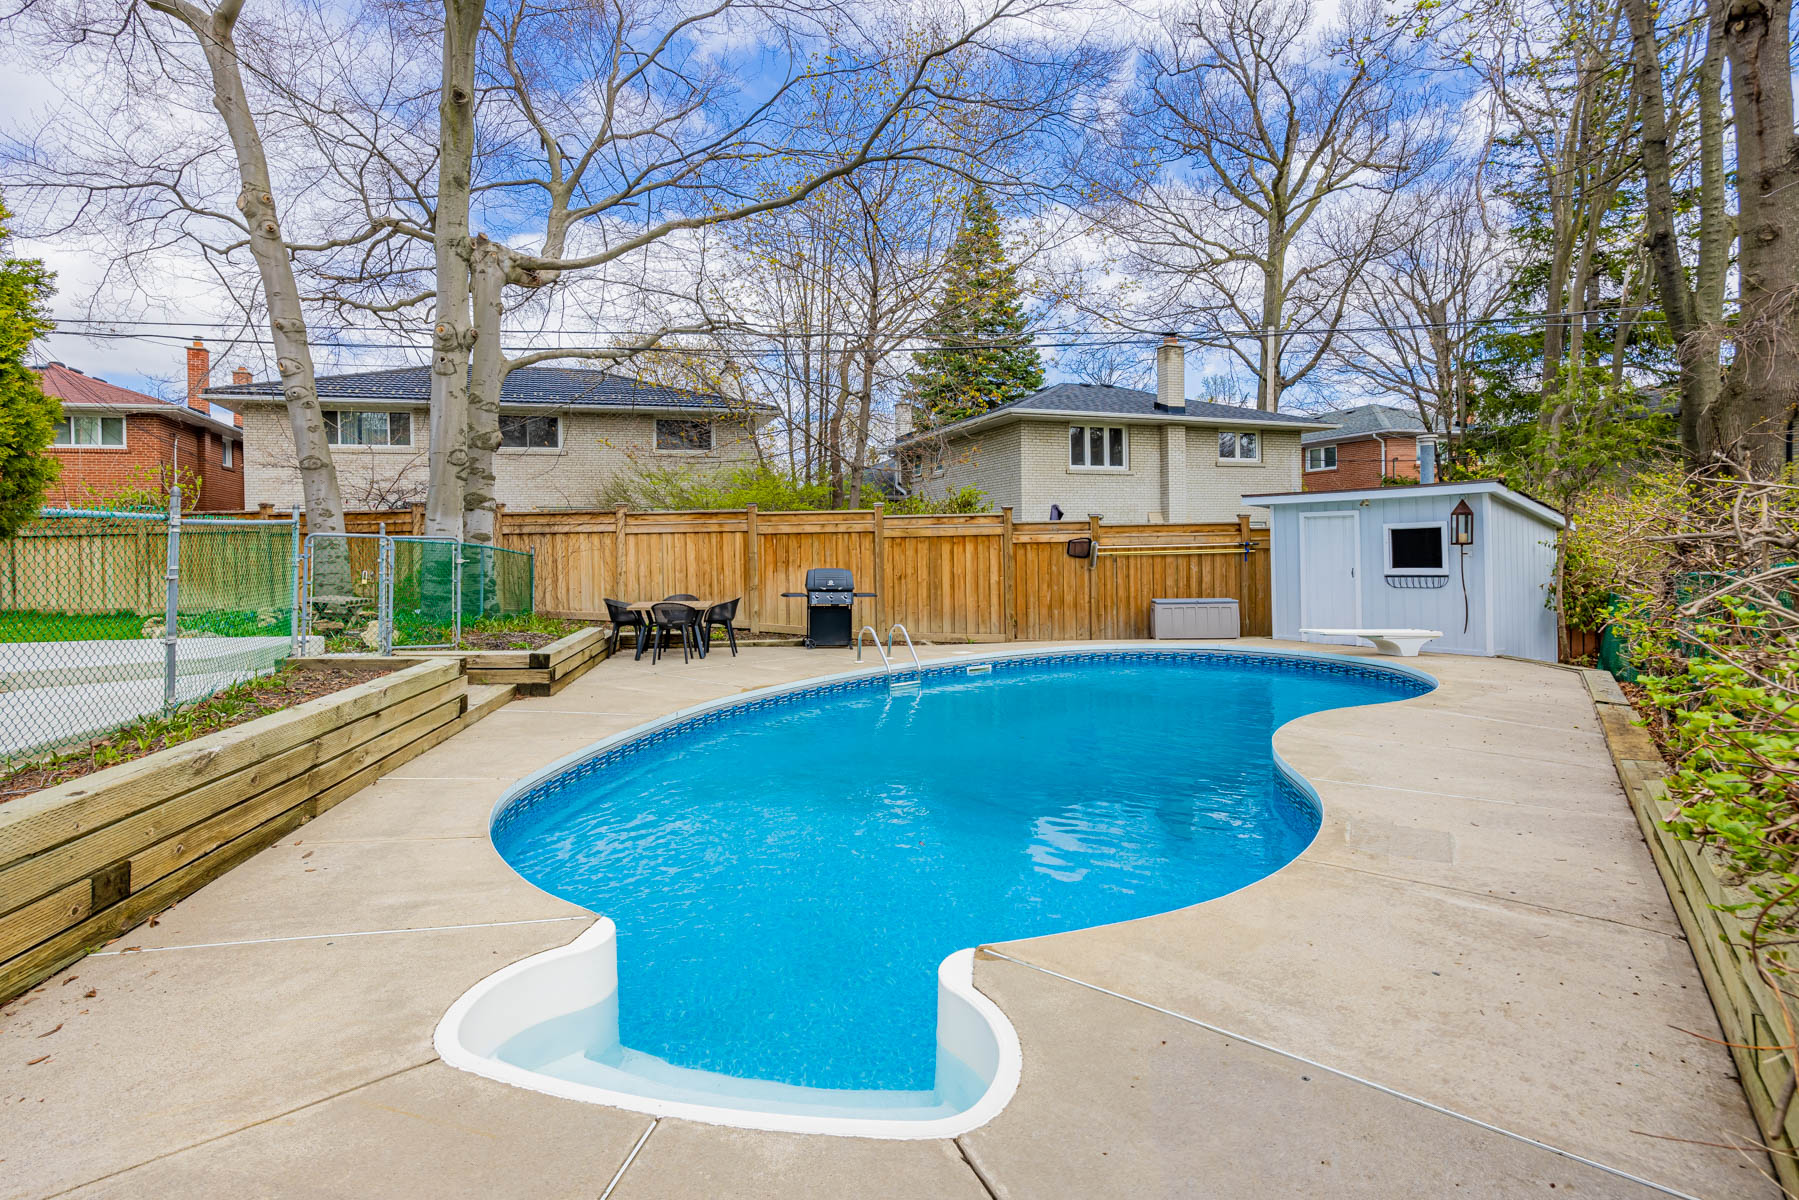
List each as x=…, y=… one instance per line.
x=887, y=654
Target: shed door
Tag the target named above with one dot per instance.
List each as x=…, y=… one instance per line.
x=1330, y=595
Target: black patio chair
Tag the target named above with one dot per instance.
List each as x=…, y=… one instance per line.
x=666, y=618
x=622, y=618
x=720, y=614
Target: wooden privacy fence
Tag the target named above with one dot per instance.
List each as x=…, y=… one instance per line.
x=980, y=578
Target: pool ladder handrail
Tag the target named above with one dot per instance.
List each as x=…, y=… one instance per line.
x=886, y=654
x=917, y=667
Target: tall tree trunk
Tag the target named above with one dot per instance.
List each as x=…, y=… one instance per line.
x=1761, y=389
x=1694, y=310
x=287, y=321
x=486, y=377
x=453, y=335
x=1274, y=303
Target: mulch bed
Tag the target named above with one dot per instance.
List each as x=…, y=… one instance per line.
x=511, y=641
x=234, y=706
x=1654, y=719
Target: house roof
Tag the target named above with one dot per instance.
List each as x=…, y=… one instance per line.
x=1460, y=487
x=1364, y=420
x=1103, y=400
x=76, y=389
x=560, y=387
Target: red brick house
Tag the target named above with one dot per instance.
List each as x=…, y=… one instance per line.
x=1371, y=443
x=111, y=437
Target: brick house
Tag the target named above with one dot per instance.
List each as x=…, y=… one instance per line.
x=1371, y=443
x=566, y=432
x=111, y=437
x=1131, y=456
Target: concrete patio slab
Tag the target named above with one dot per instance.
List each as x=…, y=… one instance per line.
x=1145, y=1105
x=682, y=1161
x=428, y=1131
x=1476, y=925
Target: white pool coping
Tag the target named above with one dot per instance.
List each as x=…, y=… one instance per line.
x=584, y=973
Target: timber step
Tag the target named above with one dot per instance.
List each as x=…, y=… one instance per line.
x=485, y=699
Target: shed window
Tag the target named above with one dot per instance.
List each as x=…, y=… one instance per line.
x=530, y=433
x=1321, y=458
x=683, y=435
x=1239, y=447
x=1417, y=549
x=1097, y=446
x=344, y=427
x=90, y=431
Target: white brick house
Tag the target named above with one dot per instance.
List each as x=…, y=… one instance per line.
x=1131, y=456
x=567, y=432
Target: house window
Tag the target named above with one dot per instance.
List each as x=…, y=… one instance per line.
x=1098, y=447
x=344, y=427
x=1321, y=458
x=225, y=445
x=531, y=433
x=683, y=435
x=1239, y=447
x=1417, y=549
x=90, y=431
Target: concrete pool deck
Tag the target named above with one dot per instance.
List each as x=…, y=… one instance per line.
x=1474, y=962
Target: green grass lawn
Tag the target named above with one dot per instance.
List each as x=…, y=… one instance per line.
x=23, y=625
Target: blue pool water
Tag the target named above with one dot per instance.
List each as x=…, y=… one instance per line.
x=785, y=878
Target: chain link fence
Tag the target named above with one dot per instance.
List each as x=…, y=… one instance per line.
x=107, y=617
x=390, y=592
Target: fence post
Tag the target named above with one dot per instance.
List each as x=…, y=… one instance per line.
x=1008, y=617
x=878, y=525
x=752, y=568
x=1093, y=577
x=293, y=636
x=618, y=551
x=171, y=629
x=1243, y=562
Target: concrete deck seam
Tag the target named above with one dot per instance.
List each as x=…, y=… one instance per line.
x=355, y=1087
x=1619, y=1172
x=629, y=1159
x=979, y=1175
x=1391, y=787
x=1456, y=712
x=355, y=933
x=1547, y=908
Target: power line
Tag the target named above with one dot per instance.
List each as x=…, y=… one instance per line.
x=1058, y=338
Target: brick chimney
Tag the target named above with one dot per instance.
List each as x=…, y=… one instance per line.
x=199, y=375
x=1171, y=375
x=242, y=375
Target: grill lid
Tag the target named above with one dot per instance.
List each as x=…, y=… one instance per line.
x=830, y=579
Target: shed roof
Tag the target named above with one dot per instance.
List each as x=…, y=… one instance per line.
x=1462, y=487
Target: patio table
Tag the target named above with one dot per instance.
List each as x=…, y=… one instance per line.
x=703, y=605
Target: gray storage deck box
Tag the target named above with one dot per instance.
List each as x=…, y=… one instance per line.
x=1207, y=618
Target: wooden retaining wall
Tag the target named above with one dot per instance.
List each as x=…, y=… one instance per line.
x=541, y=672
x=83, y=862
x=1754, y=1020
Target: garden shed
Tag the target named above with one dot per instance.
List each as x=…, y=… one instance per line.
x=1473, y=559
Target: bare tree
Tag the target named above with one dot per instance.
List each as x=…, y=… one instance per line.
x=154, y=197
x=1252, y=175
x=1421, y=307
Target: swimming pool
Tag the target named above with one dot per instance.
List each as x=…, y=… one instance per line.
x=790, y=877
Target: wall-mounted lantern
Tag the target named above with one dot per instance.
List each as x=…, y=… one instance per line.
x=1461, y=525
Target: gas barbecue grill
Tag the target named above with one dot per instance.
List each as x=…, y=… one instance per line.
x=830, y=594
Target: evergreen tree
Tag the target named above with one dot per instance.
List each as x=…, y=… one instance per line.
x=983, y=356
x=27, y=416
